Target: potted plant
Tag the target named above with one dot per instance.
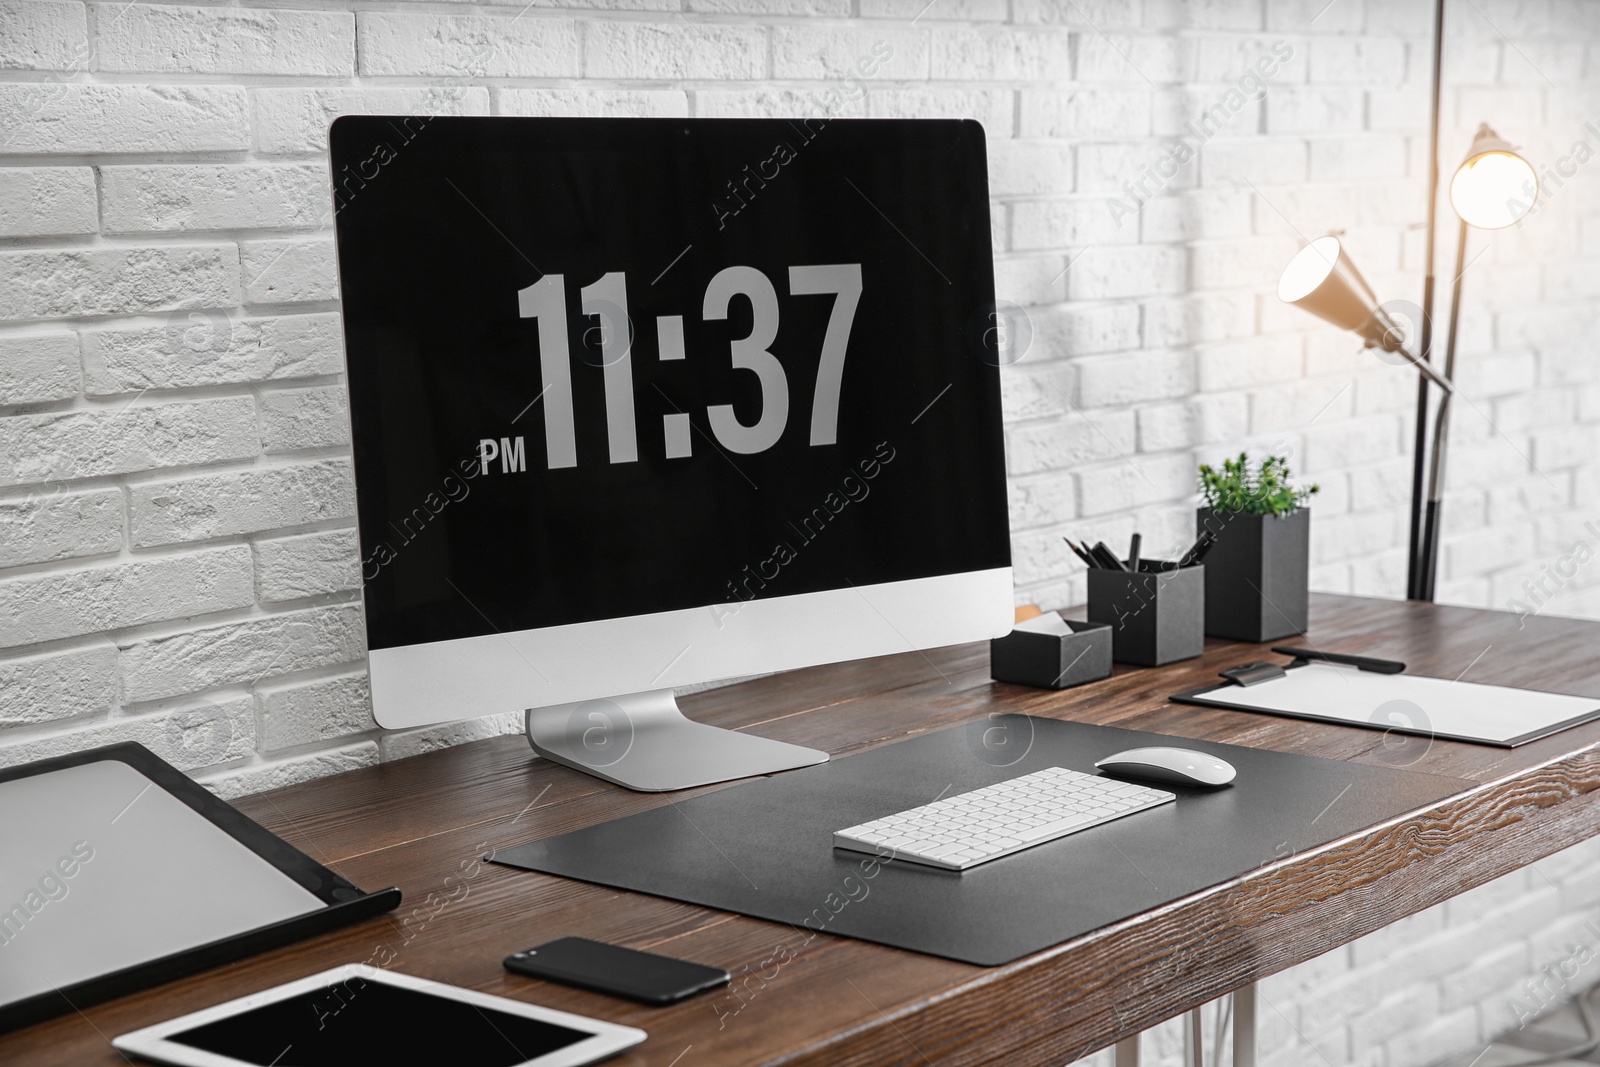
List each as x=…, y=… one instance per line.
x=1257, y=567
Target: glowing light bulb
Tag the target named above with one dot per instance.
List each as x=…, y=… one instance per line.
x=1493, y=190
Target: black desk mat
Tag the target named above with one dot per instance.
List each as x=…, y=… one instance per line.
x=764, y=848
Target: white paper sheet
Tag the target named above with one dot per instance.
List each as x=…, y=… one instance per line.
x=1048, y=623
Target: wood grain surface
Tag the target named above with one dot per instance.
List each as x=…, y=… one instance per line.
x=802, y=998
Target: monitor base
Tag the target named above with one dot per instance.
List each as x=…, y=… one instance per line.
x=643, y=742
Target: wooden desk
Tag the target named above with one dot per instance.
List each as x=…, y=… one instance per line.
x=423, y=823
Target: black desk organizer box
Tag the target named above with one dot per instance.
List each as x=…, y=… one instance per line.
x=1053, y=661
x=1257, y=574
x=1156, y=616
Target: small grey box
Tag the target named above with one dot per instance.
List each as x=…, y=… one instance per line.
x=1052, y=661
x=1156, y=616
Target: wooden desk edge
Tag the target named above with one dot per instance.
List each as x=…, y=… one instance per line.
x=1132, y=975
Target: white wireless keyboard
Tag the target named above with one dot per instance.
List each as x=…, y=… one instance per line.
x=972, y=828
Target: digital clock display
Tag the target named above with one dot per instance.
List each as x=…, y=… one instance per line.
x=602, y=368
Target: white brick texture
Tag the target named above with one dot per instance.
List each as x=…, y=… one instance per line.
x=104, y=440
x=43, y=117
x=288, y=272
x=41, y=201
x=148, y=38
x=307, y=565
x=243, y=652
x=207, y=348
x=56, y=283
x=59, y=685
x=301, y=713
x=467, y=46
x=626, y=50
x=220, y=197
x=103, y=598
x=178, y=560
x=39, y=367
x=42, y=35
x=258, y=498
x=37, y=529
x=294, y=121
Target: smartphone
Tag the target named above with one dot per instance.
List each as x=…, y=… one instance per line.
x=622, y=972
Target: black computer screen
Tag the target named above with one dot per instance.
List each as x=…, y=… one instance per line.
x=611, y=367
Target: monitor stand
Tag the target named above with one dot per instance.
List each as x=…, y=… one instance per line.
x=643, y=742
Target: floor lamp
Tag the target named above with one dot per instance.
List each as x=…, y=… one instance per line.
x=1493, y=188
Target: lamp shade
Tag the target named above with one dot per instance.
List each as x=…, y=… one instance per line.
x=1322, y=279
x=1494, y=187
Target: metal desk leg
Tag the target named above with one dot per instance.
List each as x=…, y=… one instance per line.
x=1244, y=1035
x=1193, y=1042
x=1244, y=1026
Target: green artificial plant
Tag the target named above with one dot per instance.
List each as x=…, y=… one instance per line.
x=1264, y=491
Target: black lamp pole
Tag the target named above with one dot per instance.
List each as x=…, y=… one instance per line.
x=1419, y=571
x=1429, y=554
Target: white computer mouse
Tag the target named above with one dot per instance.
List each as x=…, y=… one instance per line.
x=1180, y=766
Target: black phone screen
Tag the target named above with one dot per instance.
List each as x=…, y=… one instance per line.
x=624, y=972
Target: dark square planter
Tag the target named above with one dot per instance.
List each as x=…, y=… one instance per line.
x=1156, y=616
x=1050, y=661
x=1256, y=574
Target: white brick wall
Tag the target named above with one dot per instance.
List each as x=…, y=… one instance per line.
x=177, y=557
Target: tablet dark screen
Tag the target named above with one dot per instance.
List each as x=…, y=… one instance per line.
x=360, y=1021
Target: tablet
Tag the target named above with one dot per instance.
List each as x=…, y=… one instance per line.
x=359, y=1014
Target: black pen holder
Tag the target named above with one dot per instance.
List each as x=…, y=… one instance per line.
x=1156, y=616
x=1052, y=661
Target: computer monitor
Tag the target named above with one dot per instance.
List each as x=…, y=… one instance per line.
x=644, y=403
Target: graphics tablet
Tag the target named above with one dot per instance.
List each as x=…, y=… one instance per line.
x=120, y=873
x=359, y=1014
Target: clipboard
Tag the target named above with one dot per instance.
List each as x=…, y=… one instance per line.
x=1377, y=694
x=118, y=872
